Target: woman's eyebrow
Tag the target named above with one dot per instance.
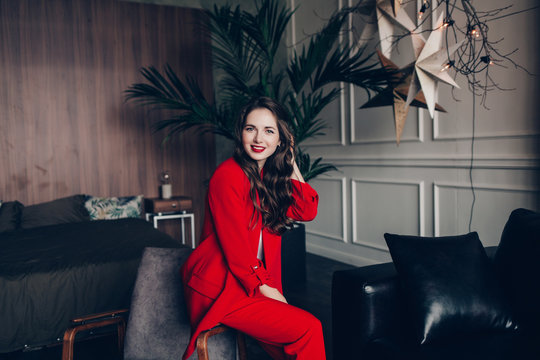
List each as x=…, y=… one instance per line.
x=266, y=127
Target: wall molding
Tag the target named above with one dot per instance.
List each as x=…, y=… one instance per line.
x=342, y=121
x=438, y=136
x=325, y=235
x=344, y=222
x=527, y=162
x=437, y=186
x=338, y=255
x=421, y=207
x=342, y=118
x=489, y=136
x=419, y=138
x=293, y=26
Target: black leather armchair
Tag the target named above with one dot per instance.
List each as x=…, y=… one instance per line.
x=371, y=319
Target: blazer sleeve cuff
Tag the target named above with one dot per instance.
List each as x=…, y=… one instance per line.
x=256, y=278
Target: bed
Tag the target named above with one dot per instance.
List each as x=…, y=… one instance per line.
x=61, y=265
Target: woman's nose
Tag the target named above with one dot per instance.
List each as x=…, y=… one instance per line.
x=256, y=138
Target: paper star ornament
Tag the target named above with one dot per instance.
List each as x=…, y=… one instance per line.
x=429, y=67
x=396, y=94
x=385, y=16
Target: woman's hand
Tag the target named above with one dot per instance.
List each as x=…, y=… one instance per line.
x=272, y=293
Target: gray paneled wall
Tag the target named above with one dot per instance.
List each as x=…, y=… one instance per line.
x=422, y=186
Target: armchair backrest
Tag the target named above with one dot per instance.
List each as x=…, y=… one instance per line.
x=158, y=325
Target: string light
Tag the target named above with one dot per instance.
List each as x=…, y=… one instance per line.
x=473, y=31
x=469, y=34
x=423, y=9
x=448, y=22
x=471, y=54
x=486, y=59
x=448, y=65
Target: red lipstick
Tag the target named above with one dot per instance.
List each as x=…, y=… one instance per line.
x=257, y=149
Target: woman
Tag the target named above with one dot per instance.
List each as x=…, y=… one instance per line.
x=234, y=276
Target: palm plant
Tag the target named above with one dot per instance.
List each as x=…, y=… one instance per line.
x=244, y=47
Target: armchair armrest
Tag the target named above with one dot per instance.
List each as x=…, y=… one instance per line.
x=117, y=317
x=94, y=321
x=99, y=317
x=202, y=342
x=367, y=309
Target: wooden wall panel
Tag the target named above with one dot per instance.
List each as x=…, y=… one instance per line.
x=64, y=125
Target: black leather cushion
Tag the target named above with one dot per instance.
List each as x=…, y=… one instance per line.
x=517, y=261
x=450, y=286
x=10, y=215
x=65, y=210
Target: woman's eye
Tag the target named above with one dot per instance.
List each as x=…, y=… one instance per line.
x=270, y=131
x=249, y=129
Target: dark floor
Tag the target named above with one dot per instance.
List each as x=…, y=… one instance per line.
x=313, y=296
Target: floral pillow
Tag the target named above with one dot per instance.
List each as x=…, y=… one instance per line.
x=109, y=208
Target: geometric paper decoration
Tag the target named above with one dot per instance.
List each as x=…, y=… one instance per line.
x=383, y=16
x=388, y=16
x=396, y=94
x=429, y=67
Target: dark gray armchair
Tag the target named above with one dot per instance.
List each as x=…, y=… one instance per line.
x=158, y=326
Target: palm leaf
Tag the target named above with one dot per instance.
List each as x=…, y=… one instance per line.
x=302, y=66
x=342, y=66
x=309, y=169
x=158, y=91
x=244, y=47
x=267, y=27
x=305, y=123
x=169, y=92
x=233, y=51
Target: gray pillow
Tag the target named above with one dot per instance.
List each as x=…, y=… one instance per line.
x=65, y=210
x=10, y=215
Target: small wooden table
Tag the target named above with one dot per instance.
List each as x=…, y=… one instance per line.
x=177, y=207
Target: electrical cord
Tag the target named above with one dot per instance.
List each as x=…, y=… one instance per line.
x=472, y=155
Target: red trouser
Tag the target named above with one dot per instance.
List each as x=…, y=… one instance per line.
x=285, y=331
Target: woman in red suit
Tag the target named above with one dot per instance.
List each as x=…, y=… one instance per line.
x=234, y=276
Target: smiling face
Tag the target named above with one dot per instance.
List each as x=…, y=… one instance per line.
x=260, y=135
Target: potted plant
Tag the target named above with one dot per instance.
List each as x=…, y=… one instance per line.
x=245, y=49
x=245, y=53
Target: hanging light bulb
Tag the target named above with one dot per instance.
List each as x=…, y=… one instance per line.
x=447, y=66
x=423, y=9
x=447, y=22
x=486, y=59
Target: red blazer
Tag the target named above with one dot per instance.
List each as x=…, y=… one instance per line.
x=224, y=267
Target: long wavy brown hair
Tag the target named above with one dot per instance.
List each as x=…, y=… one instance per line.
x=274, y=187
